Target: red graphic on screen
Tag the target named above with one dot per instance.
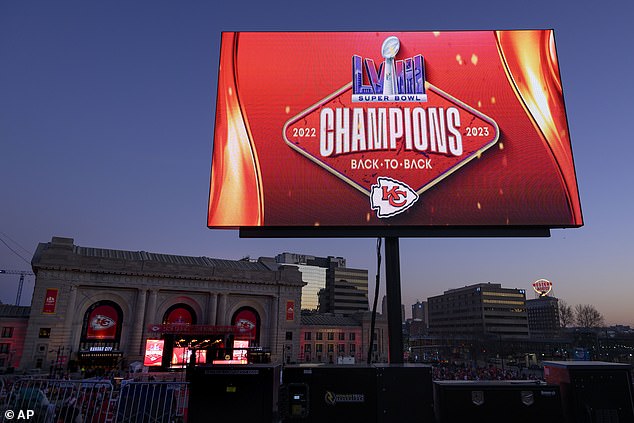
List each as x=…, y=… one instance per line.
x=496, y=149
x=419, y=152
x=153, y=352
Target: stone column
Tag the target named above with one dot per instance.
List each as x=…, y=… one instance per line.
x=150, y=315
x=222, y=310
x=275, y=338
x=135, y=348
x=68, y=321
x=212, y=309
x=70, y=309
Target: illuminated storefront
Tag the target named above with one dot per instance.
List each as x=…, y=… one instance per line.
x=101, y=336
x=182, y=339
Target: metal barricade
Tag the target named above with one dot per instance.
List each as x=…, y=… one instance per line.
x=152, y=402
x=94, y=401
x=58, y=401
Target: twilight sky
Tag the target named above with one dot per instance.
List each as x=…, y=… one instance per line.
x=107, y=115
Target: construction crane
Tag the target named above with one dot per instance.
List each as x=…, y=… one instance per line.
x=22, y=274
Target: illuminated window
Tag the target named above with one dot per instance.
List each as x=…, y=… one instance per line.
x=507, y=302
x=502, y=294
x=7, y=332
x=306, y=336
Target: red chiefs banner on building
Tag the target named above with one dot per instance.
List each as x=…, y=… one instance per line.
x=246, y=323
x=290, y=310
x=102, y=323
x=50, y=301
x=431, y=129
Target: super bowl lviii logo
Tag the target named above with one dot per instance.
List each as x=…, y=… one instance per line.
x=395, y=80
x=390, y=133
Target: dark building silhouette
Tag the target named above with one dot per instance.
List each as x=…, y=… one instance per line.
x=543, y=317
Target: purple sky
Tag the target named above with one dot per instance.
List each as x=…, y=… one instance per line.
x=107, y=113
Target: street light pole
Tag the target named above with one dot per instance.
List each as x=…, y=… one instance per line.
x=393, y=293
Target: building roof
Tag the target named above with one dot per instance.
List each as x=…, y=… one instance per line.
x=8, y=310
x=63, y=254
x=168, y=258
x=320, y=319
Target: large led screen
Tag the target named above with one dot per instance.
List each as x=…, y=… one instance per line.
x=375, y=129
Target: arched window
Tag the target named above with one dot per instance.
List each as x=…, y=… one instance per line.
x=180, y=314
x=248, y=322
x=102, y=322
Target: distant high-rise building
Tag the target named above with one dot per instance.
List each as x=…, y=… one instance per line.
x=347, y=291
x=420, y=311
x=313, y=275
x=543, y=317
x=331, y=286
x=481, y=309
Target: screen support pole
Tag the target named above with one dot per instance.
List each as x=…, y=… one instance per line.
x=393, y=293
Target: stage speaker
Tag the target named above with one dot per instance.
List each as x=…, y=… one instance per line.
x=363, y=394
x=333, y=393
x=496, y=402
x=405, y=393
x=234, y=393
x=593, y=391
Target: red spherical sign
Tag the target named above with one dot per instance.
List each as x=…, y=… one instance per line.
x=542, y=287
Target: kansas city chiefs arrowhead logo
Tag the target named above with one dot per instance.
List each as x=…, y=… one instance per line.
x=390, y=197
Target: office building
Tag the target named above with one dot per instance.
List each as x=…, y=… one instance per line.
x=420, y=311
x=483, y=310
x=543, y=317
x=345, y=290
x=313, y=275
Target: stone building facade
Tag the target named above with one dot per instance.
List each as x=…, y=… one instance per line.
x=329, y=338
x=96, y=307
